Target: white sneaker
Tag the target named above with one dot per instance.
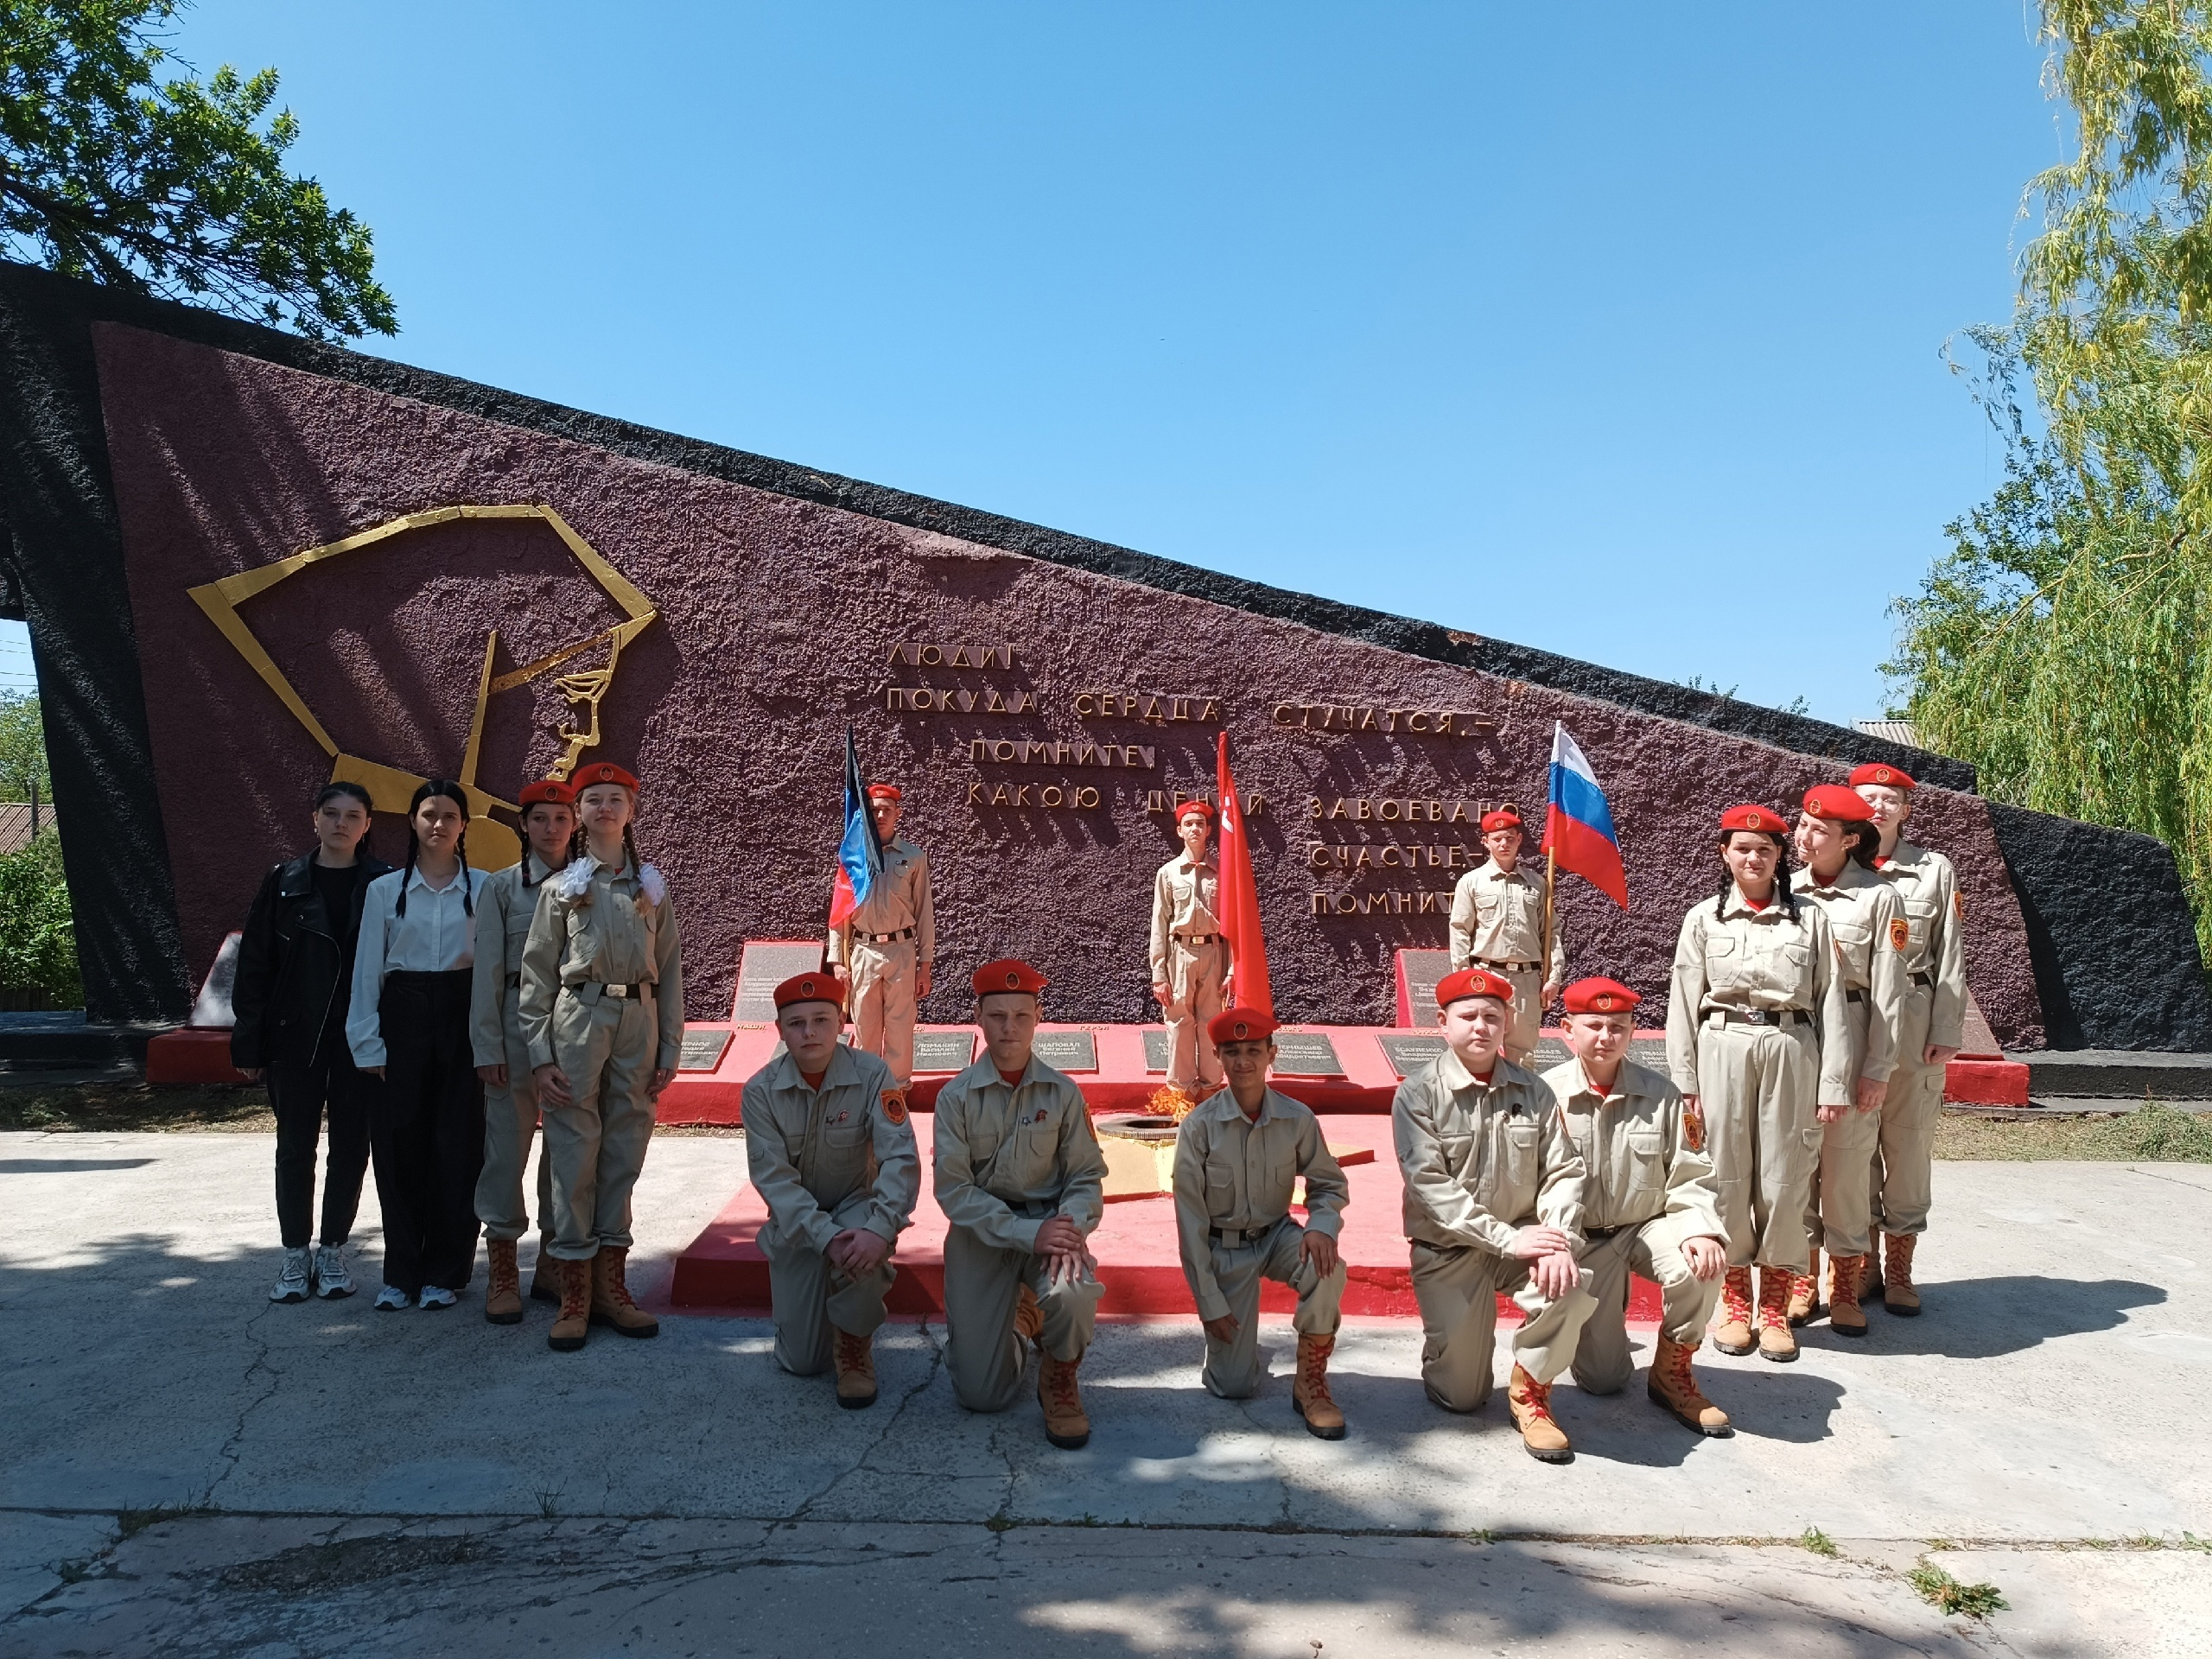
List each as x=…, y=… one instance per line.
x=391, y=1299
x=331, y=1277
x=436, y=1296
x=291, y=1284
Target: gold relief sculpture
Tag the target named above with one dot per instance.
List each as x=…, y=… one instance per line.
x=390, y=789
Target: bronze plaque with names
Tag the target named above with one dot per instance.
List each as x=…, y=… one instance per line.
x=1408, y=1053
x=1158, y=1049
x=1422, y=970
x=1067, y=1051
x=760, y=969
x=944, y=1050
x=703, y=1051
x=1306, y=1055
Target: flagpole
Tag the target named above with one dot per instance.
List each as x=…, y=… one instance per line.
x=1551, y=875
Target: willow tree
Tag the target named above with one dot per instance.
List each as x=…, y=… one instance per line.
x=2064, y=644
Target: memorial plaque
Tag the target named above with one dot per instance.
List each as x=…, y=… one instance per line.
x=944, y=1050
x=760, y=969
x=1418, y=971
x=1158, y=1049
x=1306, y=1055
x=1650, y=1052
x=1067, y=1051
x=703, y=1051
x=1407, y=1054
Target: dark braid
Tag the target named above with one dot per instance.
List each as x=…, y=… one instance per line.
x=1865, y=842
x=630, y=847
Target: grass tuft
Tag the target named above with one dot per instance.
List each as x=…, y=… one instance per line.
x=1817, y=1541
x=1948, y=1595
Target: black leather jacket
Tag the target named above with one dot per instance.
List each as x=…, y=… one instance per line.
x=296, y=969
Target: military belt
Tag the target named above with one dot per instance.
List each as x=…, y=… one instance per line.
x=1855, y=996
x=606, y=989
x=885, y=939
x=1197, y=939
x=1782, y=1017
x=1598, y=1233
x=1510, y=967
x=1240, y=1235
x=1924, y=980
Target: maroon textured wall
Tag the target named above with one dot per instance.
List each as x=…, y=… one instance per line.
x=779, y=624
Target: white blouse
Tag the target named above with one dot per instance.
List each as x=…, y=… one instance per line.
x=436, y=935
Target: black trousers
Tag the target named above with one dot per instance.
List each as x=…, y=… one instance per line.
x=299, y=1095
x=426, y=1127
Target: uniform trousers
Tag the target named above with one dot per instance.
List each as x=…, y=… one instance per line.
x=1528, y=1028
x=1603, y=1362
x=880, y=984
x=426, y=1129
x=982, y=1283
x=1458, y=1291
x=301, y=1095
x=807, y=1297
x=1232, y=1369
x=605, y=1045
x=1195, y=973
x=1903, y=1169
x=1761, y=1088
x=509, y=1125
x=1841, y=1200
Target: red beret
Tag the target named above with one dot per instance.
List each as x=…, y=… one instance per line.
x=1181, y=807
x=816, y=987
x=1748, y=817
x=883, y=792
x=1889, y=777
x=1472, y=982
x=550, y=791
x=1240, y=1025
x=603, y=772
x=1007, y=974
x=1504, y=818
x=1600, y=996
x=1834, y=801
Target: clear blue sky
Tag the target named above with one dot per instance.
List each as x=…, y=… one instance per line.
x=1610, y=329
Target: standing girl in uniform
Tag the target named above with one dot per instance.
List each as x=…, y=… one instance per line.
x=1758, y=1040
x=409, y=1025
x=602, y=1013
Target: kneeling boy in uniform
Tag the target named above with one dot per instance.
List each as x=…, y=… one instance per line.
x=1236, y=1157
x=832, y=1155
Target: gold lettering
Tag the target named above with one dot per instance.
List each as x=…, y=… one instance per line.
x=1085, y=704
x=1213, y=710
x=974, y=794
x=1086, y=796
x=1049, y=796
x=1388, y=811
x=1282, y=711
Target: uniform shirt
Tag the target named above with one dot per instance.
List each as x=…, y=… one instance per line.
x=1935, y=917
x=1003, y=1153
x=1500, y=918
x=1744, y=960
x=1637, y=1159
x=1184, y=894
x=1232, y=1171
x=1480, y=1163
x=436, y=936
x=1865, y=915
x=828, y=1160
x=608, y=936
x=505, y=909
x=900, y=900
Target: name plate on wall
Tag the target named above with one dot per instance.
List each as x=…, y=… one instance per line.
x=762, y=968
x=1408, y=1055
x=1306, y=1055
x=1158, y=1049
x=944, y=1050
x=1067, y=1051
x=702, y=1050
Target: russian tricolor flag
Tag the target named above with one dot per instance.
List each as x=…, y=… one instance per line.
x=1578, y=824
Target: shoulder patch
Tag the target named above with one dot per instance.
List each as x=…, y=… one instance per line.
x=894, y=1105
x=1959, y=903
x=1900, y=932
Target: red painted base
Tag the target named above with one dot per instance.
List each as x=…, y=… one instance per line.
x=192, y=1054
x=724, y=1271
x=1985, y=1082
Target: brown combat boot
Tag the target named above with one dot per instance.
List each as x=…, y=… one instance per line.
x=575, y=1316
x=1775, y=1342
x=1805, y=1294
x=1845, y=1316
x=545, y=1277
x=610, y=1297
x=1673, y=1387
x=503, y=1294
x=1531, y=1404
x=856, y=1362
x=1028, y=1317
x=1734, y=1334
x=1065, y=1426
x=1898, y=1295
x=1309, y=1394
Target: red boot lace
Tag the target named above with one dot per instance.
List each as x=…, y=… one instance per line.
x=1061, y=1386
x=1535, y=1397
x=1736, y=1296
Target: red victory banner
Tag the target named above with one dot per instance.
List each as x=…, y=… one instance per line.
x=1240, y=899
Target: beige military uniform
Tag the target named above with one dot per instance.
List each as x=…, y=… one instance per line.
x=1645, y=1193
x=1190, y=958
x=826, y=1162
x=880, y=946
x=1934, y=1012
x=1757, y=1028
x=1867, y=920
x=1497, y=923
x=1233, y=1178
x=504, y=908
x=1481, y=1162
x=602, y=998
x=1007, y=1161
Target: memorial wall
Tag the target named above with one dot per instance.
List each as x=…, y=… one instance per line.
x=327, y=565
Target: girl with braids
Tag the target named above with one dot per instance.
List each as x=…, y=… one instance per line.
x=602, y=1013
x=1837, y=839
x=1757, y=1041
x=409, y=1025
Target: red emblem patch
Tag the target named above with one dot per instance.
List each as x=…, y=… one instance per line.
x=894, y=1106
x=1900, y=932
x=1959, y=903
